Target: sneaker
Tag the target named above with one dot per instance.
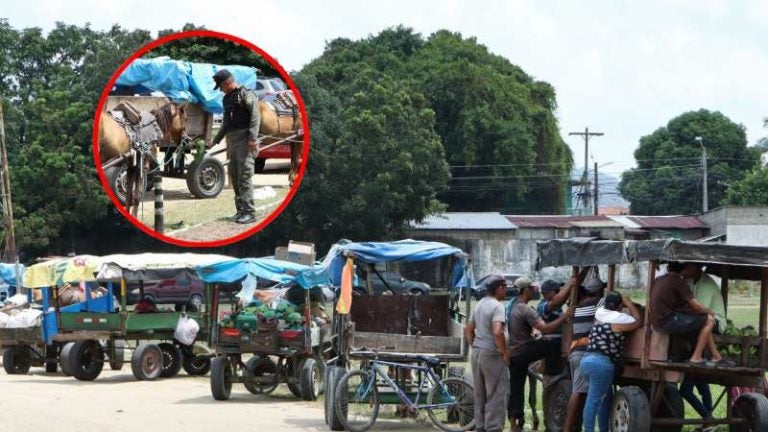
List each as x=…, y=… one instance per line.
x=246, y=219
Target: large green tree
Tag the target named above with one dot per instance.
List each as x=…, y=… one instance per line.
x=668, y=176
x=752, y=190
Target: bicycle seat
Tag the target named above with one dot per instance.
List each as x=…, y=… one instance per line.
x=430, y=360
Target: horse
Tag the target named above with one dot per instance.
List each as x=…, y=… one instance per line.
x=114, y=142
x=276, y=127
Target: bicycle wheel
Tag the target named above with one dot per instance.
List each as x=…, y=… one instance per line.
x=357, y=400
x=456, y=405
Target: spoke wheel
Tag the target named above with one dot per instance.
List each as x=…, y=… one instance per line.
x=457, y=410
x=357, y=400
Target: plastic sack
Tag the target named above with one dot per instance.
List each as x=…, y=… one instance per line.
x=17, y=300
x=4, y=318
x=25, y=318
x=186, y=330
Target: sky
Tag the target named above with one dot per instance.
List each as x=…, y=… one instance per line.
x=624, y=68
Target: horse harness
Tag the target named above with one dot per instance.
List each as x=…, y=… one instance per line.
x=142, y=128
x=284, y=104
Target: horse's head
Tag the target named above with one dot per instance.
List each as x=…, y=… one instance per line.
x=172, y=119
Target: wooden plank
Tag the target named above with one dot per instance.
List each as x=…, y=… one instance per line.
x=724, y=277
x=611, y=277
x=644, y=361
x=385, y=342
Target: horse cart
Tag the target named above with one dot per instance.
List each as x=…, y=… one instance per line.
x=288, y=339
x=396, y=329
x=647, y=397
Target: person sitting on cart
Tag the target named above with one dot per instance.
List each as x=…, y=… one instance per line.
x=604, y=358
x=485, y=334
x=590, y=298
x=549, y=309
x=523, y=348
x=675, y=311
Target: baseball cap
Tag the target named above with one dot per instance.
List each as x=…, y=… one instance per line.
x=550, y=285
x=523, y=282
x=594, y=285
x=221, y=76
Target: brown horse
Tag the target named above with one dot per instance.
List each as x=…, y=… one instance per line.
x=274, y=128
x=114, y=142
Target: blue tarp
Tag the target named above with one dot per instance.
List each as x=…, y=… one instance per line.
x=183, y=81
x=8, y=273
x=265, y=268
x=401, y=250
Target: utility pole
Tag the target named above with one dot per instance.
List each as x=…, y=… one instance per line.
x=596, y=202
x=9, y=248
x=585, y=177
x=704, y=191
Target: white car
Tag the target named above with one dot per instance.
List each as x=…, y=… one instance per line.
x=265, y=86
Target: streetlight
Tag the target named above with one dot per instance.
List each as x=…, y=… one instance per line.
x=705, y=198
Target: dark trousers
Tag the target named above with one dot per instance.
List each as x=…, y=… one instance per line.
x=703, y=406
x=518, y=371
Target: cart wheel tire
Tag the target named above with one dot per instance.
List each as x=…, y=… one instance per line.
x=292, y=370
x=221, y=378
x=630, y=411
x=332, y=376
x=117, y=181
x=310, y=379
x=147, y=362
x=555, y=399
x=64, y=358
x=17, y=359
x=257, y=367
x=754, y=408
x=206, y=177
x=171, y=360
x=116, y=349
x=196, y=366
x=259, y=164
x=86, y=360
x=670, y=407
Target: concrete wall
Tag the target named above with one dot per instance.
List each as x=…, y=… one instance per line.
x=746, y=226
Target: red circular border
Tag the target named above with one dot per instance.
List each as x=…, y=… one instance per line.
x=103, y=100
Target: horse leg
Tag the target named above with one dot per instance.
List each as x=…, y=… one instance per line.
x=532, y=385
x=129, y=183
x=295, y=156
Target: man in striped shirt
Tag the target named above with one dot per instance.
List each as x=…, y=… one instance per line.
x=590, y=298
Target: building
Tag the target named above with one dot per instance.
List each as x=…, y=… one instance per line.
x=662, y=227
x=745, y=226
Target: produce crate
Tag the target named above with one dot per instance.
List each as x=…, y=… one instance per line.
x=743, y=350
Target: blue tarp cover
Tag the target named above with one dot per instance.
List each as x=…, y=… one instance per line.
x=183, y=81
x=265, y=268
x=8, y=273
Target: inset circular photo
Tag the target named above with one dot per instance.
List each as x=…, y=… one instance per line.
x=200, y=138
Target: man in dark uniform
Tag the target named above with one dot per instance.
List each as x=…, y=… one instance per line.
x=240, y=124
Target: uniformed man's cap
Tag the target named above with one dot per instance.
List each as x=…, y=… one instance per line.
x=220, y=77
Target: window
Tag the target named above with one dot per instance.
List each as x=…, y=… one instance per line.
x=259, y=85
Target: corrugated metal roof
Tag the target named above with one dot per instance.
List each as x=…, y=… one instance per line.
x=465, y=221
x=564, y=221
x=667, y=222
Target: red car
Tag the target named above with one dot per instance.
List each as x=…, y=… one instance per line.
x=282, y=151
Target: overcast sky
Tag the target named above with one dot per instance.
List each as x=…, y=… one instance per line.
x=620, y=67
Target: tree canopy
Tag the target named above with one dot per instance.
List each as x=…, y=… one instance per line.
x=668, y=176
x=752, y=190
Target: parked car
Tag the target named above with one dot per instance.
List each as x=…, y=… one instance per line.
x=265, y=86
x=481, y=286
x=395, y=281
x=182, y=292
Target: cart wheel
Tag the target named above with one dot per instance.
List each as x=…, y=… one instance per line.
x=116, y=349
x=292, y=370
x=51, y=363
x=221, y=378
x=64, y=358
x=117, y=181
x=196, y=365
x=147, y=362
x=171, y=360
x=260, y=367
x=86, y=360
x=555, y=403
x=17, y=359
x=630, y=411
x=310, y=379
x=259, y=164
x=670, y=407
x=332, y=376
x=460, y=415
x=357, y=400
x=205, y=178
x=752, y=407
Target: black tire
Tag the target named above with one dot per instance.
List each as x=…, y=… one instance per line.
x=51, y=367
x=221, y=378
x=417, y=291
x=116, y=352
x=311, y=379
x=195, y=303
x=171, y=360
x=86, y=360
x=630, y=410
x=332, y=376
x=754, y=408
x=457, y=418
x=260, y=367
x=259, y=164
x=555, y=400
x=206, y=177
x=51, y=355
x=117, y=181
x=64, y=358
x=147, y=362
x=17, y=359
x=342, y=398
x=292, y=371
x=670, y=407
x=196, y=365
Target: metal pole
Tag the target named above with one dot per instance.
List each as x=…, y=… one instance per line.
x=595, y=201
x=159, y=213
x=705, y=199
x=585, y=177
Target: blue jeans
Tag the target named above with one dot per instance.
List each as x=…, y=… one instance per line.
x=598, y=369
x=703, y=406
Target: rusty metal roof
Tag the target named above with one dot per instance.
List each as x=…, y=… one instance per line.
x=465, y=221
x=565, y=221
x=661, y=222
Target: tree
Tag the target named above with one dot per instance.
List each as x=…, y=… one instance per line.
x=668, y=176
x=752, y=190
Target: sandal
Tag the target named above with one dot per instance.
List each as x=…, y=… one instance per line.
x=724, y=362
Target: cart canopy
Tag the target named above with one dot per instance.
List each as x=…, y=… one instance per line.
x=183, y=81
x=401, y=250
x=58, y=271
x=8, y=273
x=265, y=268
x=580, y=251
x=155, y=266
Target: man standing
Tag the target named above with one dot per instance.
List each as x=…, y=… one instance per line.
x=240, y=124
x=485, y=333
x=549, y=309
x=523, y=349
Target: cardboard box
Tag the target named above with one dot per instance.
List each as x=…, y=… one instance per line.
x=298, y=252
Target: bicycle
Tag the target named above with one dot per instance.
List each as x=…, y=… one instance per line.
x=449, y=402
